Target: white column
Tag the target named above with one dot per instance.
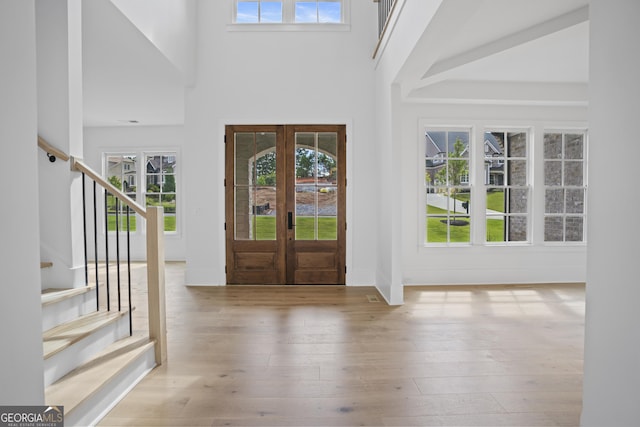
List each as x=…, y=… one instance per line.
x=612, y=339
x=59, y=59
x=21, y=364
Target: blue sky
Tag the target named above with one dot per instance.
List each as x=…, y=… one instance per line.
x=305, y=11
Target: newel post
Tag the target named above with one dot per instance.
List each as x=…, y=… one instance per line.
x=155, y=281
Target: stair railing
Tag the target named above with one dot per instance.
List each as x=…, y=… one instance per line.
x=385, y=10
x=154, y=216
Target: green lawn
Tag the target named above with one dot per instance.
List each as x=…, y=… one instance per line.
x=123, y=222
x=327, y=229
x=169, y=222
x=437, y=230
x=495, y=227
x=495, y=230
x=495, y=201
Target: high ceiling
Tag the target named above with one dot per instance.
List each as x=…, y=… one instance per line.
x=472, y=51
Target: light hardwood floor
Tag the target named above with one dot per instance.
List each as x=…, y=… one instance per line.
x=328, y=356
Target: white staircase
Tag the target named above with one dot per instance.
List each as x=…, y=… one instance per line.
x=90, y=359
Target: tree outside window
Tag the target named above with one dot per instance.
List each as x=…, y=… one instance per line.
x=447, y=186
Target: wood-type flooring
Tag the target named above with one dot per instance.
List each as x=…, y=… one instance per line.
x=334, y=356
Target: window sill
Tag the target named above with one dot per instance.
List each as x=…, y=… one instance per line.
x=311, y=27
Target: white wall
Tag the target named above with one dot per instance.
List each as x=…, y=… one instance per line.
x=278, y=77
x=125, y=139
x=535, y=262
x=21, y=364
x=170, y=26
x=406, y=26
x=612, y=340
x=59, y=76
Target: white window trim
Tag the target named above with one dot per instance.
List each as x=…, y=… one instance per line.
x=535, y=155
x=288, y=23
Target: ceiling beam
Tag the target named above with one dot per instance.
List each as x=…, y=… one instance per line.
x=436, y=37
x=508, y=42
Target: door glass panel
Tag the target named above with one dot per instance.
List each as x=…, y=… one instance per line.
x=316, y=185
x=255, y=186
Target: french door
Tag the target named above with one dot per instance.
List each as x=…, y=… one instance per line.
x=285, y=204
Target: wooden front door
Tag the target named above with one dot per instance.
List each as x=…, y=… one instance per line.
x=285, y=204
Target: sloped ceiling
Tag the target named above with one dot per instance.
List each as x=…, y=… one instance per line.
x=503, y=52
x=125, y=78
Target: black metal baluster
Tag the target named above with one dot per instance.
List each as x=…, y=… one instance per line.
x=84, y=227
x=95, y=243
x=129, y=271
x=106, y=246
x=118, y=250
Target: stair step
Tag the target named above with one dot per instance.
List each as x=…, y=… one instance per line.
x=46, y=264
x=85, y=383
x=60, y=337
x=54, y=295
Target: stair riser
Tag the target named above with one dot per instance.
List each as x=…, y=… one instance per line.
x=66, y=310
x=93, y=409
x=63, y=362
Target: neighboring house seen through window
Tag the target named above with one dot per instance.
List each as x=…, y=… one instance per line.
x=460, y=172
x=507, y=184
x=158, y=175
x=448, y=191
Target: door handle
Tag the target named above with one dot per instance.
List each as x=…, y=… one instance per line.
x=290, y=220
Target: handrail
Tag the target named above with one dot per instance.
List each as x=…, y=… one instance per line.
x=78, y=166
x=50, y=149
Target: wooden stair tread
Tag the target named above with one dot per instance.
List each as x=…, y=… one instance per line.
x=60, y=337
x=46, y=264
x=53, y=295
x=79, y=384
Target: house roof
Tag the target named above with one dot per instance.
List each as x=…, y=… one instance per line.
x=438, y=142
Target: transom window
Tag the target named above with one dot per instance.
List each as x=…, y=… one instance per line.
x=289, y=12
